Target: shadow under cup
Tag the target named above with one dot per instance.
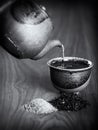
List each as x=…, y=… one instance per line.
x=70, y=74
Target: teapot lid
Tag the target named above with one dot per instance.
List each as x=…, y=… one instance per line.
x=28, y=12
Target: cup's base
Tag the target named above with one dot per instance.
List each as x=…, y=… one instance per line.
x=74, y=90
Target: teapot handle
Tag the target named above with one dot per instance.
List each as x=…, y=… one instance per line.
x=5, y=5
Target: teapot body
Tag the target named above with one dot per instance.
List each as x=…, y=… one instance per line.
x=24, y=40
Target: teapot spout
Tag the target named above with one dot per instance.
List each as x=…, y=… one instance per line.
x=51, y=44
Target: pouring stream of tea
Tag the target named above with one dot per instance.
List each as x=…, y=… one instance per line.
x=62, y=47
x=62, y=52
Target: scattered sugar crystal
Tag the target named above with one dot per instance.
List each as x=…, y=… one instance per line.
x=39, y=106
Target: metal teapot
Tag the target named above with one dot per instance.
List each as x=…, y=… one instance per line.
x=25, y=29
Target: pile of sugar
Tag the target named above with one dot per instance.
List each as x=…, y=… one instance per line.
x=39, y=106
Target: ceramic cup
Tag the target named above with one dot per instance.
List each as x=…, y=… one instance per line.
x=71, y=74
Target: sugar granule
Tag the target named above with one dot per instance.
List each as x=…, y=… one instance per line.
x=39, y=106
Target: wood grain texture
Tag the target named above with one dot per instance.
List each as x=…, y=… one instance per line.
x=24, y=80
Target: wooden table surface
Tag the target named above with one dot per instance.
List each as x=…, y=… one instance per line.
x=24, y=80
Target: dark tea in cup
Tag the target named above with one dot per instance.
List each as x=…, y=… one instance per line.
x=69, y=64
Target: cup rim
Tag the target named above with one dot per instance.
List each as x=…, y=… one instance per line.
x=90, y=64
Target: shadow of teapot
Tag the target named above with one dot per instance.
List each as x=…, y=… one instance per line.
x=25, y=29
